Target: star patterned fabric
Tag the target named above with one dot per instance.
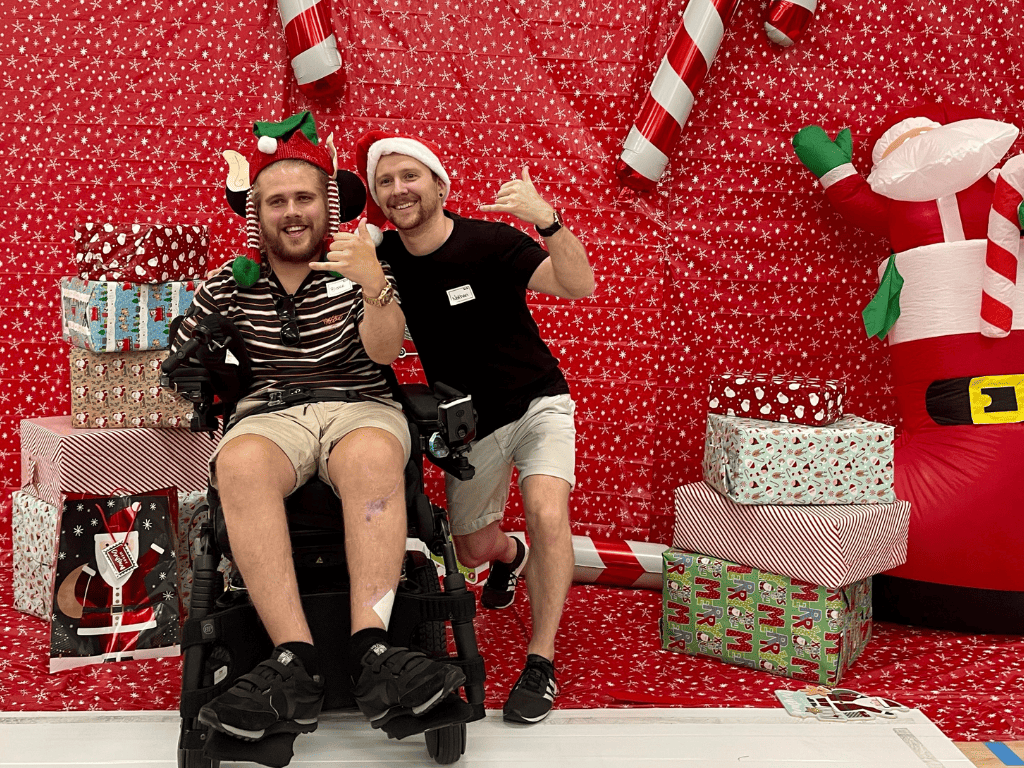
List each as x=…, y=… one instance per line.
x=119, y=110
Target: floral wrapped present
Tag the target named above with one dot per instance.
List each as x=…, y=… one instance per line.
x=142, y=253
x=792, y=399
x=753, y=618
x=762, y=462
x=105, y=316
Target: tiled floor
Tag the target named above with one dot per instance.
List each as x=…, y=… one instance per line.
x=623, y=738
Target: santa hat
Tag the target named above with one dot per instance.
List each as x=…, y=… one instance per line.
x=371, y=147
x=291, y=139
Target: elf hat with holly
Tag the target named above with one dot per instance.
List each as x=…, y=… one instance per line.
x=291, y=139
x=374, y=145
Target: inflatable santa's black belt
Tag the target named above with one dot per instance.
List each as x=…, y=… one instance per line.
x=977, y=400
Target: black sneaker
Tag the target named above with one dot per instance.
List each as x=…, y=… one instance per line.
x=396, y=681
x=534, y=692
x=500, y=589
x=278, y=696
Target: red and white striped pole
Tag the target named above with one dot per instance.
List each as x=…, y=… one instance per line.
x=999, y=283
x=665, y=110
x=787, y=20
x=312, y=47
x=635, y=564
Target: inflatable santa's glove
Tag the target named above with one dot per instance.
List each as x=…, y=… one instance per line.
x=819, y=153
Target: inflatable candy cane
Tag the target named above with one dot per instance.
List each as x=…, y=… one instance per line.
x=999, y=282
x=787, y=20
x=635, y=564
x=670, y=99
x=312, y=47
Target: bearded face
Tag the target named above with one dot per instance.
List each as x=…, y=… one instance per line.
x=292, y=206
x=408, y=192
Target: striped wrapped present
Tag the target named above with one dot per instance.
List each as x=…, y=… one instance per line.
x=831, y=545
x=56, y=459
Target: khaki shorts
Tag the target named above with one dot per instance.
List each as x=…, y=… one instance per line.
x=542, y=442
x=307, y=433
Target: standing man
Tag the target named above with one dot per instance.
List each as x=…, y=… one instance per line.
x=321, y=338
x=470, y=277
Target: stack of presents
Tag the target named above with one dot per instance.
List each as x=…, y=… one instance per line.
x=773, y=553
x=98, y=549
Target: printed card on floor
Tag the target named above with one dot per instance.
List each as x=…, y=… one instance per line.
x=837, y=704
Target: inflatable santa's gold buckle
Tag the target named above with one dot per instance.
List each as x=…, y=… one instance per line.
x=984, y=406
x=977, y=400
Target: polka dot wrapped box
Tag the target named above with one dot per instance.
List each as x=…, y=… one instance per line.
x=764, y=462
x=752, y=618
x=142, y=253
x=789, y=399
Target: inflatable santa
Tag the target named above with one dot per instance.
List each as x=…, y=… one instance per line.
x=951, y=304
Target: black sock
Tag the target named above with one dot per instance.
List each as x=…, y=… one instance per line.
x=306, y=654
x=359, y=644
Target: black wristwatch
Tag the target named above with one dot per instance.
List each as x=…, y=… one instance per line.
x=549, y=231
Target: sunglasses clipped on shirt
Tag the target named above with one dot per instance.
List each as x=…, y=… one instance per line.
x=289, y=322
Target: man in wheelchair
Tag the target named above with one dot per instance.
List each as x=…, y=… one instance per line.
x=301, y=351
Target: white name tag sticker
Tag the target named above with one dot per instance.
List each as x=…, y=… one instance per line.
x=460, y=295
x=338, y=287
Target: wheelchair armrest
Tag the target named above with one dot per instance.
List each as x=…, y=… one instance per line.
x=446, y=420
x=196, y=386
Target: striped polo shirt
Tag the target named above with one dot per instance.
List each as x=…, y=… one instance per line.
x=329, y=355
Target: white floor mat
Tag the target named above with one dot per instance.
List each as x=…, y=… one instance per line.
x=633, y=738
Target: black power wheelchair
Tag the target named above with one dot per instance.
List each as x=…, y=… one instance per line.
x=223, y=638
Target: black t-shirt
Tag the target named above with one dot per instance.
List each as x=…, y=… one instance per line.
x=465, y=305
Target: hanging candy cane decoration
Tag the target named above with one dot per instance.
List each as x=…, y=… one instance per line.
x=999, y=283
x=670, y=99
x=787, y=20
x=634, y=564
x=312, y=47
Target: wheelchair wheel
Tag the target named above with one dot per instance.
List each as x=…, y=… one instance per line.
x=446, y=745
x=194, y=758
x=430, y=636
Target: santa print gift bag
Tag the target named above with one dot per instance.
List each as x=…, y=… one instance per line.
x=115, y=591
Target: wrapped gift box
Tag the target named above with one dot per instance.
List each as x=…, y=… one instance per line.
x=34, y=524
x=762, y=462
x=104, y=316
x=120, y=390
x=141, y=253
x=832, y=545
x=792, y=399
x=57, y=459
x=752, y=618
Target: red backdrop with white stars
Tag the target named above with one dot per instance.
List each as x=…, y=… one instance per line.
x=119, y=111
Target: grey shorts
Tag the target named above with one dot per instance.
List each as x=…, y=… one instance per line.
x=542, y=442
x=308, y=432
